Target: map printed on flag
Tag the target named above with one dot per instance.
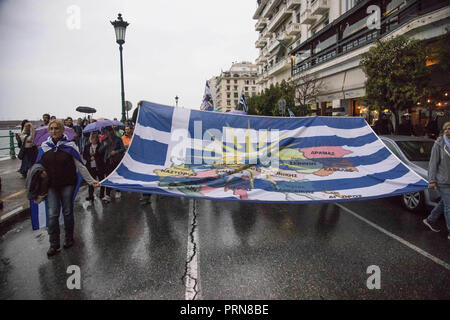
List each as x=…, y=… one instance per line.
x=228, y=157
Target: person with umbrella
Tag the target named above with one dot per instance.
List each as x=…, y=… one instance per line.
x=61, y=160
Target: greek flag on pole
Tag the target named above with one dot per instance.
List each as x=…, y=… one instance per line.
x=208, y=103
x=39, y=212
x=291, y=114
x=227, y=157
x=242, y=102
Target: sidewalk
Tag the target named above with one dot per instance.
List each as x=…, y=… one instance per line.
x=13, y=193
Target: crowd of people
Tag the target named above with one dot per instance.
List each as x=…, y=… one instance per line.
x=53, y=175
x=385, y=126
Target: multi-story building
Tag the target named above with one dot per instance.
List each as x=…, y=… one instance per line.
x=326, y=39
x=229, y=85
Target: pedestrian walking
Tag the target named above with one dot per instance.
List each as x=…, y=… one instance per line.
x=113, y=149
x=94, y=163
x=61, y=159
x=439, y=179
x=28, y=150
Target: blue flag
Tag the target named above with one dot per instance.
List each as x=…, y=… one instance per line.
x=227, y=157
x=208, y=103
x=291, y=114
x=243, y=102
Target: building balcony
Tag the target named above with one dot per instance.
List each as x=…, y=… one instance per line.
x=306, y=17
x=261, y=24
x=293, y=4
x=267, y=35
x=273, y=45
x=294, y=29
x=259, y=9
x=260, y=60
x=280, y=67
x=271, y=5
x=320, y=7
x=260, y=43
x=277, y=19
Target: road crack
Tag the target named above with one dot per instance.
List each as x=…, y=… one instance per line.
x=190, y=277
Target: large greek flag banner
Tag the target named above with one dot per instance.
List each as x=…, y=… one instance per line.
x=228, y=157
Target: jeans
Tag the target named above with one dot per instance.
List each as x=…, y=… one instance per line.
x=57, y=197
x=96, y=174
x=442, y=208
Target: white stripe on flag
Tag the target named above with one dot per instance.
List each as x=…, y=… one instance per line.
x=42, y=215
x=180, y=125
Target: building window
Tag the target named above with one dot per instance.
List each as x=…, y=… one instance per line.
x=347, y=5
x=228, y=95
x=228, y=81
x=246, y=88
x=228, y=88
x=236, y=103
x=235, y=81
x=228, y=103
x=236, y=95
x=235, y=87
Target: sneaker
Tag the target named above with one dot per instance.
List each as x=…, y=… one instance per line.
x=52, y=251
x=68, y=243
x=106, y=199
x=118, y=194
x=430, y=225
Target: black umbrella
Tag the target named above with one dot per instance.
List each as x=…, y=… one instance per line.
x=86, y=110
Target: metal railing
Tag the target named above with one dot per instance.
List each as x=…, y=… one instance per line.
x=12, y=151
x=360, y=38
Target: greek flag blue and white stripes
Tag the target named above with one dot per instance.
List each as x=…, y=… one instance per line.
x=243, y=102
x=208, y=103
x=228, y=157
x=291, y=114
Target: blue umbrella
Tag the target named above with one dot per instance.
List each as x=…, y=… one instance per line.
x=98, y=125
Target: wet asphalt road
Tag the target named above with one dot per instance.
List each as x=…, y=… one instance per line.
x=126, y=250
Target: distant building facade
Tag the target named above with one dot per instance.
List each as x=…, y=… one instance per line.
x=229, y=85
x=326, y=38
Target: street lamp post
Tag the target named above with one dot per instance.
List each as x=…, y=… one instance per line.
x=176, y=101
x=120, y=27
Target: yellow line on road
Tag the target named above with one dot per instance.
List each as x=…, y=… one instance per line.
x=14, y=195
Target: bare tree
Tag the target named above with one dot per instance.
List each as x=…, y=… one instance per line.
x=307, y=88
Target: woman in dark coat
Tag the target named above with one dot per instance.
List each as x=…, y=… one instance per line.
x=61, y=160
x=94, y=163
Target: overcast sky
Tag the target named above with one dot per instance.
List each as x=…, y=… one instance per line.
x=50, y=65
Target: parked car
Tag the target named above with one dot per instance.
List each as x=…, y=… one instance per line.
x=415, y=152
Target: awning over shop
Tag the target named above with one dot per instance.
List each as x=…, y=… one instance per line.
x=344, y=85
